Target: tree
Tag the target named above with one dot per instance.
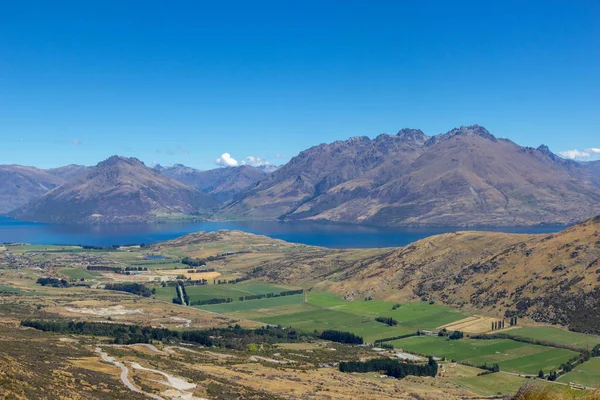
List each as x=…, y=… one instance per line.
x=541, y=374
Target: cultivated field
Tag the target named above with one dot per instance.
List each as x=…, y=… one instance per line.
x=587, y=374
x=556, y=335
x=511, y=356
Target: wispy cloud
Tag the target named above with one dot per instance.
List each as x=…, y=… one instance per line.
x=183, y=150
x=580, y=154
x=226, y=161
x=76, y=142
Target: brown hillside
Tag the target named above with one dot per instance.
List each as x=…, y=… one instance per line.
x=116, y=190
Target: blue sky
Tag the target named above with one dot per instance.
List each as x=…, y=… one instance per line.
x=184, y=82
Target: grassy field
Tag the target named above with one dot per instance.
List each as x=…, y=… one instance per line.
x=512, y=356
x=326, y=311
x=206, y=292
x=556, y=335
x=165, y=293
x=413, y=316
x=491, y=384
x=78, y=273
x=587, y=374
x=254, y=304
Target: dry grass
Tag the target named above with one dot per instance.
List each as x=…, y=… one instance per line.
x=532, y=391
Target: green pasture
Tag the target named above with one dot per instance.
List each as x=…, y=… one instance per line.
x=556, y=335
x=253, y=304
x=78, y=273
x=512, y=356
x=587, y=374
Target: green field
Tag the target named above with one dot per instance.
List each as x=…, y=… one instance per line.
x=491, y=384
x=9, y=289
x=326, y=311
x=556, y=335
x=413, y=316
x=587, y=374
x=78, y=273
x=206, y=292
x=512, y=356
x=165, y=293
x=254, y=304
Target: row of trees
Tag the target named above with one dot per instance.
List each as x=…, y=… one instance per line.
x=341, y=337
x=210, y=301
x=390, y=367
x=387, y=320
x=130, y=287
x=193, y=262
x=233, y=337
x=271, y=295
x=500, y=324
x=54, y=282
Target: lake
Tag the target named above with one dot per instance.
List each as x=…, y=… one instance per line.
x=312, y=233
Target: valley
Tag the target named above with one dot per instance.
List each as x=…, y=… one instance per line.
x=249, y=281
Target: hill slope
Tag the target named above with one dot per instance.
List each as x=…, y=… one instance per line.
x=116, y=190
x=221, y=183
x=466, y=177
x=552, y=278
x=20, y=184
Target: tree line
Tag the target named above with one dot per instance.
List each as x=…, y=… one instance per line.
x=389, y=367
x=271, y=295
x=341, y=337
x=233, y=337
x=387, y=320
x=54, y=282
x=130, y=287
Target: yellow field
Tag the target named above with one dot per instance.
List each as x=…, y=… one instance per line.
x=474, y=324
x=194, y=276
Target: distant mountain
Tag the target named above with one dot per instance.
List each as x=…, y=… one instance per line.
x=118, y=190
x=221, y=183
x=465, y=177
x=20, y=184
x=68, y=171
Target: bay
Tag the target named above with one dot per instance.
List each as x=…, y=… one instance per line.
x=311, y=233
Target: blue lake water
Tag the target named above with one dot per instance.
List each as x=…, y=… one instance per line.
x=312, y=233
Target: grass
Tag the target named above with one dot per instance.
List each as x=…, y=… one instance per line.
x=587, y=374
x=165, y=293
x=322, y=319
x=78, y=273
x=254, y=304
x=9, y=289
x=491, y=384
x=512, y=356
x=234, y=292
x=556, y=335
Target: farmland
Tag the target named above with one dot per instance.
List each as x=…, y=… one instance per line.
x=587, y=374
x=511, y=356
x=556, y=335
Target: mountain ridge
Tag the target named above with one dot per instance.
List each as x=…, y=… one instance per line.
x=116, y=190
x=465, y=177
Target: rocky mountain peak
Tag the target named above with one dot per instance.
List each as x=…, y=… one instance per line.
x=119, y=160
x=412, y=135
x=475, y=130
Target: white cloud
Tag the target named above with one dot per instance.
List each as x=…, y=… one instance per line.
x=76, y=142
x=226, y=161
x=580, y=154
x=254, y=161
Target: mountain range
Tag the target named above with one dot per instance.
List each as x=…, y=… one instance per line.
x=119, y=189
x=221, y=183
x=465, y=177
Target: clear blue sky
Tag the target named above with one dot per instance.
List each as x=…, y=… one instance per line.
x=185, y=82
